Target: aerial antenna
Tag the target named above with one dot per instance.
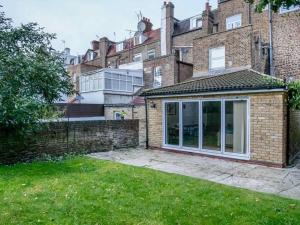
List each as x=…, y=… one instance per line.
x=139, y=15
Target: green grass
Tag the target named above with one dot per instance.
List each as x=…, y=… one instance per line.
x=86, y=191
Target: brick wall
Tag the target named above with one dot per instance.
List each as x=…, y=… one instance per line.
x=132, y=113
x=186, y=40
x=267, y=139
x=237, y=44
x=286, y=43
x=73, y=137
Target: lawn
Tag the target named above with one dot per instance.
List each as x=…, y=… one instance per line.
x=81, y=190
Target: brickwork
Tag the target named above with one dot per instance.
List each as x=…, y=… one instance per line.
x=267, y=139
x=237, y=44
x=186, y=41
x=132, y=113
x=286, y=43
x=74, y=137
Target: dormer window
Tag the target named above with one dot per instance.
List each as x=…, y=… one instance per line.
x=90, y=55
x=139, y=39
x=195, y=22
x=233, y=22
x=120, y=47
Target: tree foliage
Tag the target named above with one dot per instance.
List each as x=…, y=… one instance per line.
x=32, y=75
x=276, y=4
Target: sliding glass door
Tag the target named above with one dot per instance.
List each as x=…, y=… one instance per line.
x=218, y=127
x=211, y=125
x=236, y=127
x=190, y=124
x=172, y=123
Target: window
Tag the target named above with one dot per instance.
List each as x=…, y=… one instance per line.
x=120, y=82
x=138, y=81
x=235, y=127
x=90, y=55
x=120, y=46
x=211, y=125
x=137, y=57
x=217, y=58
x=139, y=39
x=172, y=123
x=190, y=124
x=151, y=54
x=195, y=22
x=233, y=21
x=90, y=83
x=157, y=77
x=117, y=116
x=290, y=9
x=214, y=126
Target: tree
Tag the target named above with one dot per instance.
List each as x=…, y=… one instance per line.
x=32, y=76
x=276, y=4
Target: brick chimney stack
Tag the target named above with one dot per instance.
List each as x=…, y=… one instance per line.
x=148, y=23
x=207, y=19
x=167, y=27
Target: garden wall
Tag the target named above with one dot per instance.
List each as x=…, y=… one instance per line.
x=294, y=135
x=60, y=138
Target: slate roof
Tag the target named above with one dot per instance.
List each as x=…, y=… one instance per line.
x=183, y=26
x=242, y=80
x=152, y=35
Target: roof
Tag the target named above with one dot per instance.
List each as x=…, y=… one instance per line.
x=242, y=80
x=152, y=36
x=183, y=26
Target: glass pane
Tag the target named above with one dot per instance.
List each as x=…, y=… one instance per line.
x=123, y=85
x=108, y=84
x=172, y=123
x=190, y=120
x=129, y=86
x=115, y=85
x=236, y=126
x=211, y=125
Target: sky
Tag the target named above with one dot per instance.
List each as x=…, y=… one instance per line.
x=78, y=22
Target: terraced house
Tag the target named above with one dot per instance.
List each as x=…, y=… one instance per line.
x=229, y=107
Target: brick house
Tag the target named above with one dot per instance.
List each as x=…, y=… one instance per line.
x=228, y=108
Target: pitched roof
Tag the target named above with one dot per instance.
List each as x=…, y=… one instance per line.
x=152, y=36
x=242, y=80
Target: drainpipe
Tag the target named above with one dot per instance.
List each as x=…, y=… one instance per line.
x=271, y=40
x=288, y=136
x=147, y=134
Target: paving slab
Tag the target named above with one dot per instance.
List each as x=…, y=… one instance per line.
x=284, y=182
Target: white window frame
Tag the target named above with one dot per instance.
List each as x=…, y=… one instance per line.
x=222, y=153
x=210, y=59
x=195, y=22
x=151, y=52
x=129, y=82
x=157, y=77
x=116, y=115
x=137, y=57
x=120, y=46
x=235, y=23
x=284, y=10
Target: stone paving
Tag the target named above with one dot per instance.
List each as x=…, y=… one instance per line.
x=284, y=182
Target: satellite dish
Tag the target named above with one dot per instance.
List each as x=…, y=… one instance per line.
x=141, y=26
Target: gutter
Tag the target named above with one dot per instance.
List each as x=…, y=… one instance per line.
x=220, y=93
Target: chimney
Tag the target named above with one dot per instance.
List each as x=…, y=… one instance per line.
x=167, y=27
x=103, y=49
x=148, y=23
x=207, y=7
x=207, y=19
x=95, y=45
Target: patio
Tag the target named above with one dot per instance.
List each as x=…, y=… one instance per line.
x=284, y=182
